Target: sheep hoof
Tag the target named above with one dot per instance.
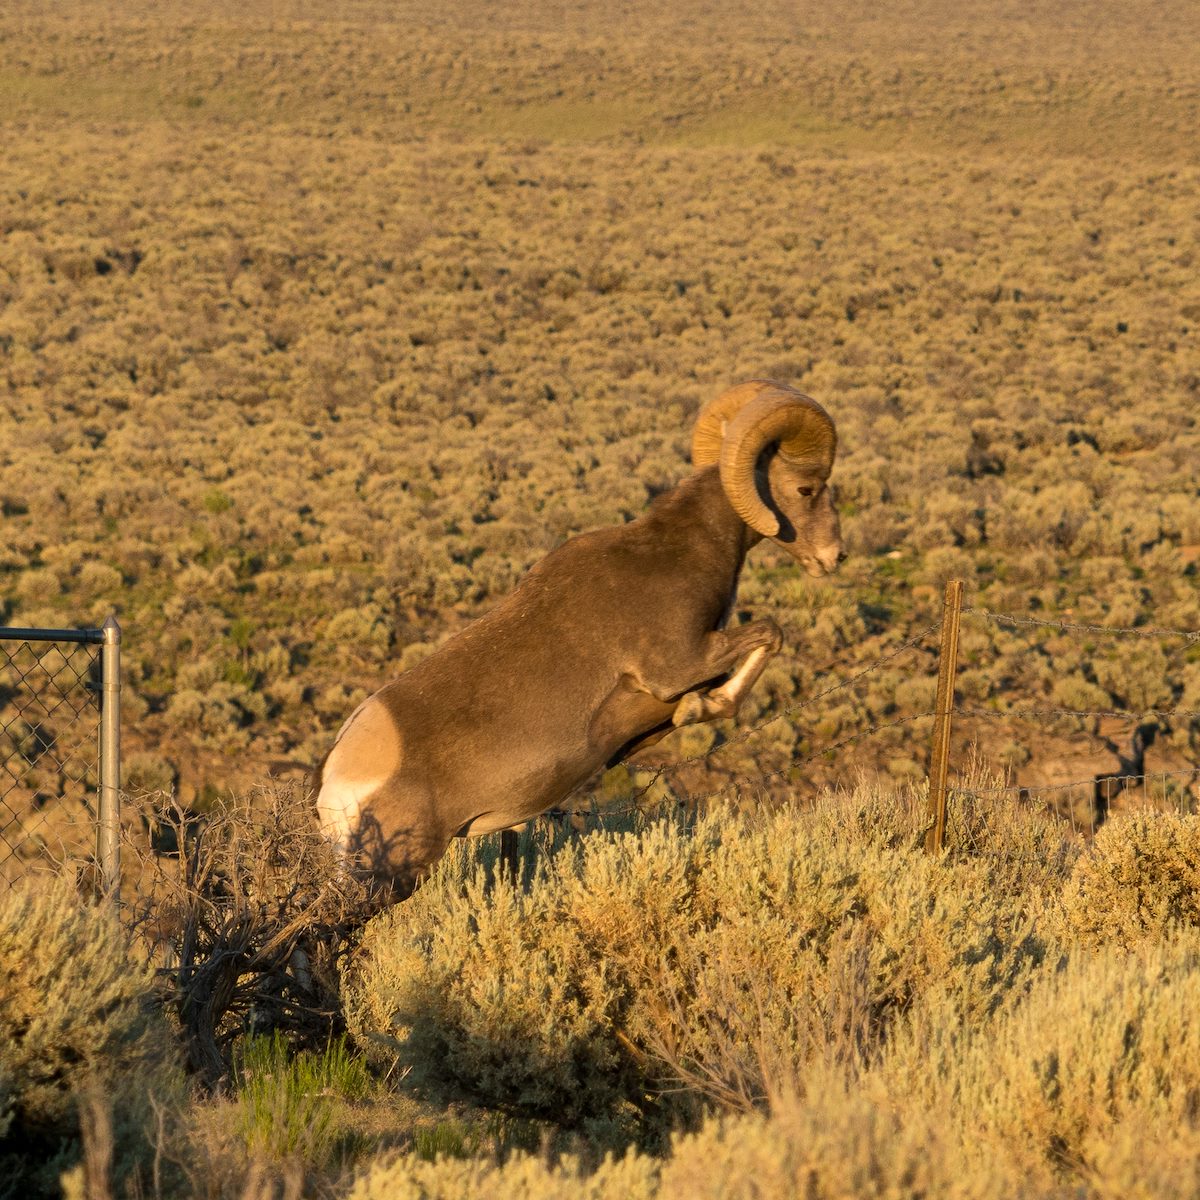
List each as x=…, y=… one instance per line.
x=690, y=710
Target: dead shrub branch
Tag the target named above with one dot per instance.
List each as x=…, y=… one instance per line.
x=248, y=911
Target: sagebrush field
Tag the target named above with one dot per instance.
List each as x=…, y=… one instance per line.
x=318, y=329
x=319, y=324
x=770, y=1005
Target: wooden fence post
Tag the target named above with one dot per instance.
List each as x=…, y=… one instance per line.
x=939, y=761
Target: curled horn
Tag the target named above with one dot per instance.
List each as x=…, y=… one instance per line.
x=775, y=413
x=709, y=435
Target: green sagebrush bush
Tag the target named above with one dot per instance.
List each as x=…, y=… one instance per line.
x=833, y=1143
x=502, y=991
x=631, y=1178
x=1025, y=849
x=1085, y=1088
x=76, y=1016
x=657, y=970
x=811, y=949
x=1106, y=1045
x=1139, y=1164
x=1140, y=876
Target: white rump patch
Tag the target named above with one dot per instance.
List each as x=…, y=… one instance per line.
x=364, y=756
x=338, y=806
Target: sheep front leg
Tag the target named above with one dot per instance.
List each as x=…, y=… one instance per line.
x=698, y=706
x=641, y=711
x=725, y=700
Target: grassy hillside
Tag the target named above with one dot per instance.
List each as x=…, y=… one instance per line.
x=320, y=324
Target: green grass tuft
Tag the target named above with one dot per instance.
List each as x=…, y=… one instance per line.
x=289, y=1102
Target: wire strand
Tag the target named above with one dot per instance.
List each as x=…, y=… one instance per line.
x=1017, y=789
x=699, y=798
x=1146, y=631
x=1004, y=714
x=737, y=739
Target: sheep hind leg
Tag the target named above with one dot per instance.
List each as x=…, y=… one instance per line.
x=629, y=720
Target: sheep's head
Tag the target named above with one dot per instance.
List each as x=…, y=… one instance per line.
x=776, y=448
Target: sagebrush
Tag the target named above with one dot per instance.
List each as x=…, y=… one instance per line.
x=78, y=1015
x=719, y=953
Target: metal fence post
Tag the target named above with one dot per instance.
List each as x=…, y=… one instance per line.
x=939, y=762
x=108, y=842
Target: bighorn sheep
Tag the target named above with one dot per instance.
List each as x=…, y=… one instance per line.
x=608, y=643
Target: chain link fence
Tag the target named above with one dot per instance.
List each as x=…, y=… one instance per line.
x=60, y=751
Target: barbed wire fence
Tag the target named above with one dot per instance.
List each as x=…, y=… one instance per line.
x=57, y=694
x=1085, y=802
x=1176, y=789
x=673, y=768
x=1158, y=633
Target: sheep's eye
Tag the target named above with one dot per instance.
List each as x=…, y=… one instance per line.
x=807, y=491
